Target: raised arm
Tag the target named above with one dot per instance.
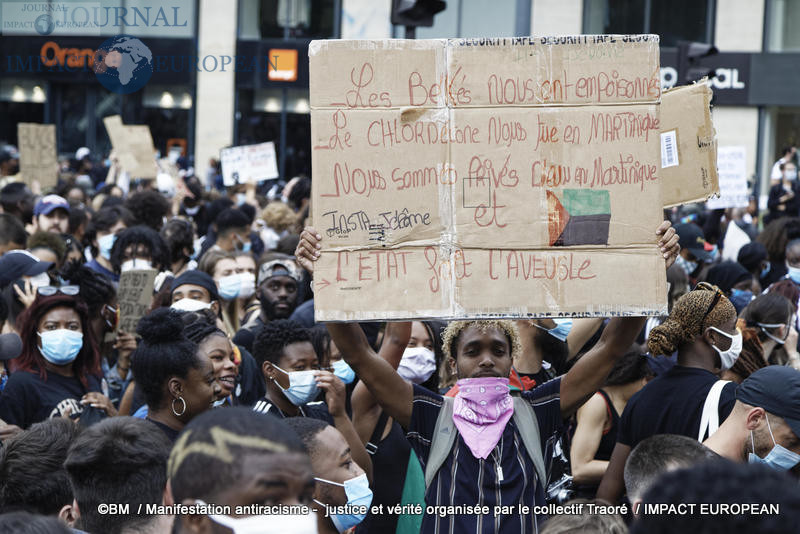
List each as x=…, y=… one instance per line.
x=364, y=404
x=589, y=373
x=394, y=394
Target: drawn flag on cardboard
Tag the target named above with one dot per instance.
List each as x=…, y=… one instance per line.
x=578, y=217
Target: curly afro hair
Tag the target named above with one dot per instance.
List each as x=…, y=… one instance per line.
x=136, y=235
x=454, y=329
x=148, y=207
x=275, y=336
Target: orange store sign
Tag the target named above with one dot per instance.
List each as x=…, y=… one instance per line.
x=282, y=65
x=52, y=54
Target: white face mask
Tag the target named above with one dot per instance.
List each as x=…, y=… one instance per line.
x=135, y=264
x=417, y=364
x=268, y=524
x=248, y=285
x=190, y=305
x=728, y=357
x=40, y=280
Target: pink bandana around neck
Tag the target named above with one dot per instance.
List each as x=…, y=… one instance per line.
x=481, y=410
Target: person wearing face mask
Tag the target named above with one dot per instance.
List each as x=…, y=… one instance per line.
x=342, y=491
x=291, y=369
x=771, y=317
x=232, y=231
x=137, y=248
x=784, y=196
x=734, y=280
x=102, y=233
x=58, y=373
x=414, y=349
x=689, y=399
x=245, y=458
x=693, y=249
x=764, y=425
x=222, y=268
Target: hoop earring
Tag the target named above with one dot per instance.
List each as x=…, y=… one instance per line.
x=183, y=411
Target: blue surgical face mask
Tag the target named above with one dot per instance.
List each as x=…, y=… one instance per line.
x=740, y=298
x=793, y=273
x=241, y=198
x=778, y=458
x=344, y=371
x=302, y=386
x=560, y=331
x=765, y=270
x=247, y=246
x=688, y=266
x=62, y=346
x=229, y=286
x=358, y=494
x=105, y=244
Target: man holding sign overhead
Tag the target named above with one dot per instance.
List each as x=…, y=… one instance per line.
x=483, y=447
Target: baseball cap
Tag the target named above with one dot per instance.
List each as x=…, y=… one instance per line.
x=775, y=388
x=49, y=203
x=82, y=152
x=691, y=238
x=279, y=267
x=16, y=263
x=10, y=346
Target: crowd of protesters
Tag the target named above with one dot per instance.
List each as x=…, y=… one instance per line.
x=228, y=400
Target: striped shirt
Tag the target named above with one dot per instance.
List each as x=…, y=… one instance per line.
x=464, y=480
x=314, y=410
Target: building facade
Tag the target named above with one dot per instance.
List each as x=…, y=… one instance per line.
x=233, y=72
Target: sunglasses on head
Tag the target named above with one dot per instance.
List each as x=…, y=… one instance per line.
x=47, y=291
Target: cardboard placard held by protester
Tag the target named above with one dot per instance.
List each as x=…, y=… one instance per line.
x=37, y=153
x=249, y=163
x=134, y=147
x=512, y=177
x=135, y=295
x=688, y=145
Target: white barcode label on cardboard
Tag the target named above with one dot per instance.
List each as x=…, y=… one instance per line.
x=669, y=149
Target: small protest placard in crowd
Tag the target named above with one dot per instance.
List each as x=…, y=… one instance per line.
x=37, y=153
x=733, y=190
x=249, y=163
x=135, y=295
x=133, y=145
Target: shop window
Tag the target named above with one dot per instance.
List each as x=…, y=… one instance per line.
x=783, y=19
x=689, y=20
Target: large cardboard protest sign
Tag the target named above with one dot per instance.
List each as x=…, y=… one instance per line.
x=134, y=295
x=688, y=145
x=37, y=153
x=133, y=145
x=249, y=163
x=512, y=177
x=733, y=190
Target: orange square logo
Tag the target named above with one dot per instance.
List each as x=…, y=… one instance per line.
x=282, y=65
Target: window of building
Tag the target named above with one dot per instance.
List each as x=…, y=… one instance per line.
x=783, y=20
x=306, y=19
x=689, y=20
x=471, y=18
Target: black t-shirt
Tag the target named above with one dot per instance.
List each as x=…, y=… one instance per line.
x=28, y=399
x=672, y=403
x=246, y=336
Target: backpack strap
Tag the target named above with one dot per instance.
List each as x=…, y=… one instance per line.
x=709, y=421
x=444, y=435
x=528, y=427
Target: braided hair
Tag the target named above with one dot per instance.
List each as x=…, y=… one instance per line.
x=705, y=306
x=95, y=289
